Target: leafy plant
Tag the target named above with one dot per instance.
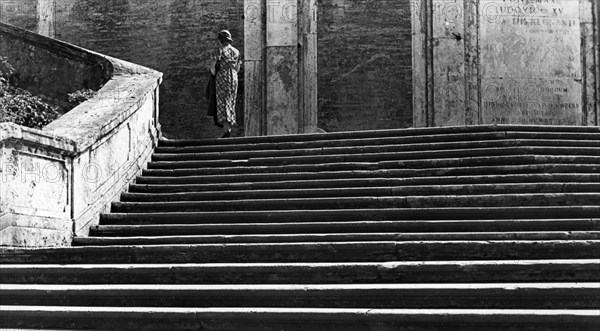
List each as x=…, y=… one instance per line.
x=81, y=96
x=6, y=70
x=6, y=73
x=20, y=106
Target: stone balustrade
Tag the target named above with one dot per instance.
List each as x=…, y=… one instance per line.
x=56, y=181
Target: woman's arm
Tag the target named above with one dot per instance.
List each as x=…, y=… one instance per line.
x=213, y=62
x=238, y=65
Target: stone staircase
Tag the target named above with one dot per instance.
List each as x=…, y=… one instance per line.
x=462, y=228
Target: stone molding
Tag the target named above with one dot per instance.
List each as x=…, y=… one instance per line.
x=56, y=181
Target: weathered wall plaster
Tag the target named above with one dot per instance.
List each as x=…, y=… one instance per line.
x=56, y=181
x=364, y=64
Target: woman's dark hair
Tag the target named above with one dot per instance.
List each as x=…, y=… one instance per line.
x=223, y=39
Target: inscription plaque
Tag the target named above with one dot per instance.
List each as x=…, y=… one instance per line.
x=531, y=62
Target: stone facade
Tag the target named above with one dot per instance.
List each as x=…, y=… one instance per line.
x=281, y=50
x=364, y=54
x=505, y=62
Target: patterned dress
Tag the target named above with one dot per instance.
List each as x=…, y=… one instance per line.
x=227, y=83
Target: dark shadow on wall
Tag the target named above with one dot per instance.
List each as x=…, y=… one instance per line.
x=365, y=64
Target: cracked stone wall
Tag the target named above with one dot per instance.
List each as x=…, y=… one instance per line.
x=364, y=53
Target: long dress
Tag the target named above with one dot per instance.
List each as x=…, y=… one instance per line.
x=227, y=83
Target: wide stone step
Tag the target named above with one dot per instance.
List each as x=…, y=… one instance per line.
x=348, y=215
x=336, y=237
x=256, y=318
x=310, y=252
x=169, y=147
x=364, y=202
x=377, y=141
x=404, y=226
x=367, y=170
x=342, y=150
x=378, y=157
x=181, y=185
x=411, y=132
x=390, y=190
x=481, y=296
x=498, y=271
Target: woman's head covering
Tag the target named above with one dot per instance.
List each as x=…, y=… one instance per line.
x=225, y=35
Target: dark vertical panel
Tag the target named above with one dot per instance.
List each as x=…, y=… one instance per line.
x=364, y=64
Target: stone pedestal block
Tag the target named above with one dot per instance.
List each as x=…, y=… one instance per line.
x=280, y=67
x=505, y=62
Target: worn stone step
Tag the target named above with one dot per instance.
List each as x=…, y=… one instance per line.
x=499, y=271
x=335, y=237
x=480, y=296
x=404, y=226
x=203, y=184
x=377, y=141
x=310, y=252
x=228, y=224
x=363, y=202
x=534, y=129
x=348, y=215
x=377, y=149
x=388, y=190
x=256, y=318
x=401, y=169
x=378, y=157
x=369, y=141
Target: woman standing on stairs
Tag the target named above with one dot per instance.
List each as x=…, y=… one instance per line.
x=225, y=67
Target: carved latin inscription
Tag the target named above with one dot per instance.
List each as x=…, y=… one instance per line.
x=531, y=62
